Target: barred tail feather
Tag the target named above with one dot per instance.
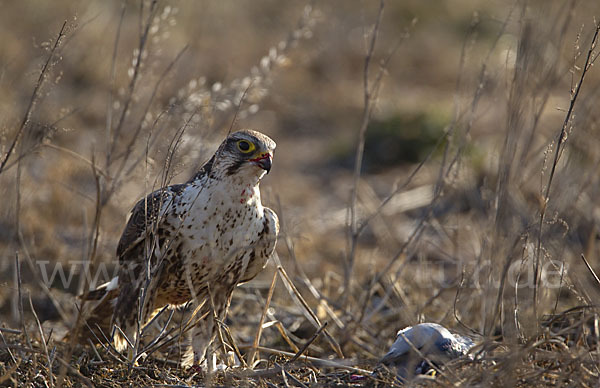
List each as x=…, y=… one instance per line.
x=98, y=312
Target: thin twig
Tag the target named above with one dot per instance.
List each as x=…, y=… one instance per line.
x=297, y=297
x=259, y=329
x=75, y=372
x=129, y=148
x=113, y=70
x=340, y=364
x=8, y=373
x=6, y=346
x=133, y=83
x=307, y=344
x=35, y=95
x=232, y=343
x=75, y=155
x=589, y=267
x=367, y=111
x=44, y=345
x=562, y=138
x=94, y=237
x=10, y=331
x=20, y=300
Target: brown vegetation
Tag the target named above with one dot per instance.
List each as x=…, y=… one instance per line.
x=436, y=161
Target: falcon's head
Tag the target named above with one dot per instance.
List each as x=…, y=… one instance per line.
x=246, y=153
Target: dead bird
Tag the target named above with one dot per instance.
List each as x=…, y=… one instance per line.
x=419, y=347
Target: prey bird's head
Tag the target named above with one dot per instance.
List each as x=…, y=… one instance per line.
x=245, y=154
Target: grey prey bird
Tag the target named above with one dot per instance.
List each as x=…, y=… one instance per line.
x=434, y=342
x=192, y=242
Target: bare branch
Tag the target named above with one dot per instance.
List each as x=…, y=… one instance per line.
x=35, y=95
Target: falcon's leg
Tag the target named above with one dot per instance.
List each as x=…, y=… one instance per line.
x=205, y=331
x=203, y=334
x=126, y=316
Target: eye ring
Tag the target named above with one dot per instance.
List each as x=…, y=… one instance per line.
x=245, y=146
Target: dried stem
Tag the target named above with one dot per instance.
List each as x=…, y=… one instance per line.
x=369, y=100
x=35, y=95
x=44, y=345
x=307, y=344
x=259, y=329
x=134, y=79
x=562, y=138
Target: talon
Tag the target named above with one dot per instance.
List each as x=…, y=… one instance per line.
x=195, y=369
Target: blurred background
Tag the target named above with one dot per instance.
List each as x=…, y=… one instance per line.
x=454, y=217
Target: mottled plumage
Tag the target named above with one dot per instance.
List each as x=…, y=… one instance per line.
x=196, y=241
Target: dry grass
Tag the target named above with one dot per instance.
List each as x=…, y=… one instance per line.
x=492, y=233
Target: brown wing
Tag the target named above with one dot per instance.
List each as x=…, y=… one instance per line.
x=144, y=216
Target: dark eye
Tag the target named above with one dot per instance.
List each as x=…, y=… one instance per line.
x=245, y=146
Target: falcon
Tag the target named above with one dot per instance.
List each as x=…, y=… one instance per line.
x=193, y=242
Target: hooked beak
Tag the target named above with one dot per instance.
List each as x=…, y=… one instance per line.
x=263, y=161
